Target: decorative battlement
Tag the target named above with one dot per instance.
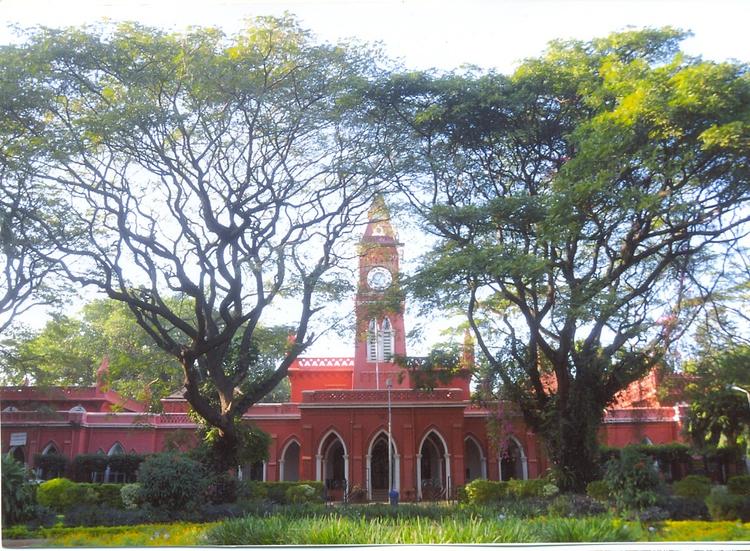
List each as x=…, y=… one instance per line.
x=325, y=363
x=380, y=397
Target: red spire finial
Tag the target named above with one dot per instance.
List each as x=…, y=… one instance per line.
x=102, y=374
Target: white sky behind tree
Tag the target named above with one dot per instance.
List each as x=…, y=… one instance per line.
x=422, y=34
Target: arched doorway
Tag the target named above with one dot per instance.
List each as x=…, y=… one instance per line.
x=16, y=453
x=289, y=463
x=433, y=468
x=114, y=475
x=513, y=461
x=333, y=466
x=474, y=463
x=51, y=464
x=254, y=471
x=377, y=467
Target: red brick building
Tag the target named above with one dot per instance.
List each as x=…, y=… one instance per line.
x=335, y=428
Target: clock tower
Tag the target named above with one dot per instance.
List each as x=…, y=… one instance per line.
x=379, y=304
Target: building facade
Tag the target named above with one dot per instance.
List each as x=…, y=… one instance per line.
x=335, y=428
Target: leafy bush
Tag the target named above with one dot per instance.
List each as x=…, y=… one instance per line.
x=94, y=515
x=19, y=496
x=222, y=488
x=739, y=485
x=274, y=491
x=107, y=495
x=60, y=494
x=693, y=486
x=172, y=480
x=52, y=465
x=683, y=508
x=482, y=492
x=89, y=466
x=302, y=493
x=572, y=505
x=633, y=480
x=127, y=464
x=130, y=494
x=527, y=488
x=598, y=490
x=725, y=506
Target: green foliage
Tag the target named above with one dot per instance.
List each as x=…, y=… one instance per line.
x=598, y=489
x=125, y=463
x=303, y=493
x=249, y=445
x=279, y=492
x=633, y=480
x=739, y=485
x=18, y=494
x=69, y=349
x=692, y=486
x=130, y=494
x=172, y=481
x=86, y=466
x=565, y=200
x=60, y=494
x=717, y=413
x=577, y=506
x=482, y=492
x=52, y=464
x=725, y=506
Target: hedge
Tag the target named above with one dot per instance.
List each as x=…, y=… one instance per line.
x=85, y=465
x=275, y=491
x=666, y=453
x=482, y=491
x=60, y=494
x=51, y=463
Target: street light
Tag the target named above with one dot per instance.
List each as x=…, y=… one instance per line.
x=745, y=392
x=389, y=386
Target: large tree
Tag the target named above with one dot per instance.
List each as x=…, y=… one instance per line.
x=576, y=203
x=227, y=170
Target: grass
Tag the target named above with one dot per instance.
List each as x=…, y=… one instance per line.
x=385, y=525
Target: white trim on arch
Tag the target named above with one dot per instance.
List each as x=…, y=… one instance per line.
x=482, y=457
x=524, y=460
x=446, y=465
x=282, y=457
x=47, y=449
x=320, y=460
x=396, y=463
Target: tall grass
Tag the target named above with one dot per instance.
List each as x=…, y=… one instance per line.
x=328, y=530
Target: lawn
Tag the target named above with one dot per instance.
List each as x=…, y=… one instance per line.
x=331, y=529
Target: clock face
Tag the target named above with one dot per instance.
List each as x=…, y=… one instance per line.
x=379, y=278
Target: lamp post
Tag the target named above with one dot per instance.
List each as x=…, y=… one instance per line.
x=747, y=444
x=391, y=496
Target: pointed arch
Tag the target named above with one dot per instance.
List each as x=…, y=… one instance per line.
x=289, y=462
x=50, y=448
x=116, y=449
x=387, y=340
x=433, y=466
x=513, y=462
x=332, y=464
x=475, y=461
x=377, y=464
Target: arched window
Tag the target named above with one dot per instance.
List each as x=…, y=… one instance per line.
x=78, y=409
x=372, y=341
x=112, y=473
x=387, y=340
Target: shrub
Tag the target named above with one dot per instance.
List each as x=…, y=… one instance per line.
x=108, y=495
x=482, y=492
x=571, y=505
x=130, y=494
x=127, y=464
x=739, y=485
x=693, y=486
x=89, y=467
x=60, y=494
x=527, y=488
x=683, y=508
x=18, y=494
x=598, y=490
x=633, y=480
x=222, y=488
x=274, y=491
x=172, y=480
x=302, y=493
x=52, y=465
x=725, y=506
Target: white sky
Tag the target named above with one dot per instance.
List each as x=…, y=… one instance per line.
x=422, y=33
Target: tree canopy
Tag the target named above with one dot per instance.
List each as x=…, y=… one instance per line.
x=577, y=203
x=225, y=170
